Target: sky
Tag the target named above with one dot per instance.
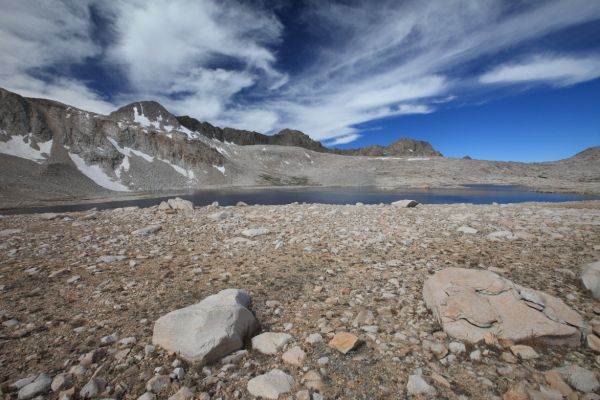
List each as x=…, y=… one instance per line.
x=507, y=80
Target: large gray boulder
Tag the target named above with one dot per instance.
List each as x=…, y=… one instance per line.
x=208, y=330
x=470, y=304
x=590, y=276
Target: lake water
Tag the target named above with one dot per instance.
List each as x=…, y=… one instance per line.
x=476, y=194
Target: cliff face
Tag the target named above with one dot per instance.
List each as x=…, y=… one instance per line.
x=138, y=147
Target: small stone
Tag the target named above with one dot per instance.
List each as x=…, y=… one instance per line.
x=344, y=342
x=593, y=342
x=517, y=392
x=313, y=380
x=270, y=385
x=110, y=339
x=508, y=357
x=255, y=232
x=178, y=374
x=147, y=230
x=184, y=393
x=147, y=396
x=457, y=347
x=467, y=229
x=475, y=355
x=294, y=356
x=270, y=342
x=314, y=338
x=91, y=389
x=524, y=352
x=303, y=395
x=323, y=361
x=417, y=385
x=62, y=382
x=158, y=383
x=18, y=384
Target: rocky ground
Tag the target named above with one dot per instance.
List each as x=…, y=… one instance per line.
x=80, y=292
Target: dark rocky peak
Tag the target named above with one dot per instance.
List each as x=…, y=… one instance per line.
x=405, y=146
x=149, y=114
x=290, y=137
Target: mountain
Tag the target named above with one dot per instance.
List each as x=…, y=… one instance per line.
x=288, y=137
x=51, y=151
x=285, y=137
x=400, y=148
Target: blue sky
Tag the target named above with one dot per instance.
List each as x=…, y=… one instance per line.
x=512, y=80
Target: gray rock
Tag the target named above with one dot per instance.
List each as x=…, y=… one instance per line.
x=579, y=378
x=110, y=259
x=147, y=396
x=18, y=384
x=416, y=385
x=180, y=204
x=184, y=393
x=590, y=276
x=158, y=383
x=147, y=230
x=91, y=389
x=270, y=342
x=208, y=330
x=62, y=382
x=39, y=386
x=405, y=203
x=467, y=229
x=255, y=232
x=271, y=385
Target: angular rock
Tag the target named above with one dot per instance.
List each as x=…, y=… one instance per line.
x=158, y=383
x=343, y=342
x=524, y=352
x=417, y=385
x=255, y=232
x=62, y=382
x=405, y=203
x=184, y=393
x=208, y=330
x=294, y=356
x=590, y=276
x=271, y=385
x=466, y=229
x=180, y=204
x=593, y=342
x=39, y=386
x=579, y=378
x=270, y=342
x=472, y=304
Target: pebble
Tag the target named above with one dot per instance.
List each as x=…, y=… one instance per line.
x=270, y=342
x=270, y=385
x=344, y=342
x=294, y=356
x=417, y=385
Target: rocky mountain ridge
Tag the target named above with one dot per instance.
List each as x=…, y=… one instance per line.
x=50, y=151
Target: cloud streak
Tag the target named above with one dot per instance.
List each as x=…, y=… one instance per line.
x=222, y=61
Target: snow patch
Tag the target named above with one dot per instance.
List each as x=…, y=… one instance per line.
x=18, y=147
x=128, y=151
x=95, y=173
x=220, y=168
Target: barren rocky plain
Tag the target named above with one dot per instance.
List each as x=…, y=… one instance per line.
x=339, y=290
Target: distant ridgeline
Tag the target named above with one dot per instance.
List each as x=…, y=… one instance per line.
x=289, y=137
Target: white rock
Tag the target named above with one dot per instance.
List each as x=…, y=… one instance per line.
x=208, y=330
x=270, y=342
x=590, y=276
x=271, y=385
x=314, y=338
x=147, y=396
x=417, y=385
x=467, y=229
x=457, y=347
x=184, y=393
x=405, y=203
x=180, y=204
x=255, y=232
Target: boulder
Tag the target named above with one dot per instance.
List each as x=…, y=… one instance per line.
x=579, y=378
x=405, y=203
x=208, y=330
x=270, y=385
x=472, y=304
x=180, y=204
x=590, y=276
x=147, y=230
x=39, y=386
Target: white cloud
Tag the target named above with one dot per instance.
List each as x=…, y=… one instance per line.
x=344, y=139
x=37, y=35
x=218, y=60
x=558, y=70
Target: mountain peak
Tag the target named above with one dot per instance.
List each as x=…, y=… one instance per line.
x=149, y=114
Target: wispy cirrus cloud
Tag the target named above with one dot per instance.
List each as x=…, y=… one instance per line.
x=222, y=61
x=343, y=139
x=556, y=70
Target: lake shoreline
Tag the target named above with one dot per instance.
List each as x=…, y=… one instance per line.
x=144, y=199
